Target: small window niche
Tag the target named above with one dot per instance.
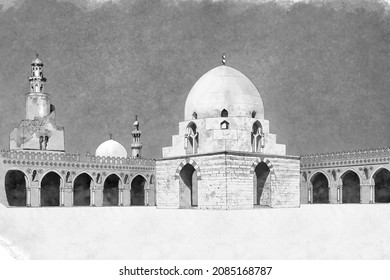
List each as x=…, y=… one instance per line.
x=224, y=113
x=194, y=115
x=224, y=125
x=253, y=114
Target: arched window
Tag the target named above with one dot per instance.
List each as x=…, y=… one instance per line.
x=224, y=125
x=224, y=113
x=257, y=138
x=253, y=114
x=192, y=140
x=194, y=115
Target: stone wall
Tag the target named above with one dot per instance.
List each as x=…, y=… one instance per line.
x=225, y=180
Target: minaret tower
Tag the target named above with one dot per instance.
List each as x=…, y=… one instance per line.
x=136, y=146
x=37, y=101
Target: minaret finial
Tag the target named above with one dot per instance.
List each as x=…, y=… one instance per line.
x=223, y=59
x=136, y=117
x=37, y=55
x=110, y=134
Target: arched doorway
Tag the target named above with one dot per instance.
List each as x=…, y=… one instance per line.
x=15, y=188
x=111, y=191
x=320, y=188
x=188, y=184
x=138, y=191
x=261, y=184
x=82, y=190
x=50, y=189
x=351, y=187
x=382, y=186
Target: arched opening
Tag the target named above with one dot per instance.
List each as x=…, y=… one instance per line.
x=50, y=189
x=351, y=187
x=192, y=139
x=188, y=186
x=82, y=190
x=261, y=184
x=111, y=191
x=253, y=114
x=15, y=188
x=194, y=115
x=138, y=191
x=257, y=137
x=320, y=188
x=382, y=186
x=224, y=125
x=224, y=113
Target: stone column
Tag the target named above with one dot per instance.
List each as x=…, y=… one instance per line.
x=28, y=196
x=309, y=196
x=126, y=195
x=333, y=194
x=365, y=194
x=98, y=197
x=67, y=195
x=35, y=194
x=372, y=193
x=340, y=194
x=120, y=197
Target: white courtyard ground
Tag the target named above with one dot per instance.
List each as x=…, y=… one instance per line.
x=308, y=232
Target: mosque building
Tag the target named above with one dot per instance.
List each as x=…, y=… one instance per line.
x=36, y=171
x=223, y=157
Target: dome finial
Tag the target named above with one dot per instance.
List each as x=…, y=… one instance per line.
x=37, y=55
x=223, y=59
x=110, y=134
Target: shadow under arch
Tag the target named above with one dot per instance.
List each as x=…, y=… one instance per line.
x=82, y=188
x=381, y=179
x=111, y=190
x=350, y=187
x=15, y=183
x=138, y=186
x=320, y=187
x=50, y=183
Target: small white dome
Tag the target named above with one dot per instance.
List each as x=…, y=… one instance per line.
x=36, y=61
x=111, y=148
x=223, y=88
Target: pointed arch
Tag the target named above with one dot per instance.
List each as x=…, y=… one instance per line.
x=224, y=113
x=381, y=178
x=261, y=184
x=224, y=125
x=82, y=188
x=111, y=190
x=192, y=139
x=266, y=161
x=51, y=182
x=320, y=187
x=257, y=137
x=351, y=186
x=193, y=163
x=138, y=186
x=16, y=182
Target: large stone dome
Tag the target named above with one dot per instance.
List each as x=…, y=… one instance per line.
x=111, y=148
x=223, y=88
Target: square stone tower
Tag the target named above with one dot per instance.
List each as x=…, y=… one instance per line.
x=224, y=156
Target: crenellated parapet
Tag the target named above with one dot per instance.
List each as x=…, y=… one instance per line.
x=34, y=158
x=358, y=157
